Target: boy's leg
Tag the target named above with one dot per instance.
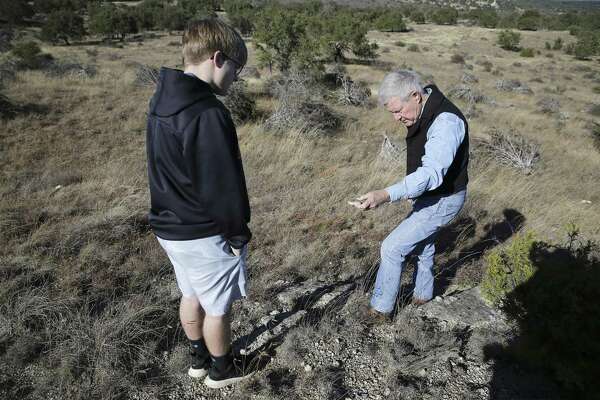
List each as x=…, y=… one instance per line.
x=225, y=370
x=217, y=334
x=191, y=316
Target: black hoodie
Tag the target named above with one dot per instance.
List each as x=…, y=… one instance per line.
x=195, y=173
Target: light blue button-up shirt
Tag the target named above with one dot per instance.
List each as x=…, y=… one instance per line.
x=444, y=136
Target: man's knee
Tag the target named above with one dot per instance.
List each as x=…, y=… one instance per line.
x=391, y=248
x=427, y=253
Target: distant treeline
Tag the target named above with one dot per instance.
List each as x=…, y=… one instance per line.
x=338, y=29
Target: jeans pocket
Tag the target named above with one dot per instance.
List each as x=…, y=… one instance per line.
x=428, y=205
x=452, y=207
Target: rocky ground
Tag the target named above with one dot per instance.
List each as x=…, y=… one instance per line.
x=318, y=344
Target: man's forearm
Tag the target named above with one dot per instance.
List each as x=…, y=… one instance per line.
x=412, y=185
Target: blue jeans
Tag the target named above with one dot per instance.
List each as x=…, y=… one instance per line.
x=415, y=235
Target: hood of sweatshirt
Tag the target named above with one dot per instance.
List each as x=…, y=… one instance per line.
x=176, y=91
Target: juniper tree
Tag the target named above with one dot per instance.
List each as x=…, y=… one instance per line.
x=15, y=11
x=112, y=21
x=63, y=25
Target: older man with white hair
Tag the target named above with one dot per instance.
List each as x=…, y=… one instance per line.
x=437, y=155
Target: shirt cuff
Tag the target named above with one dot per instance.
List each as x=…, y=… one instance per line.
x=396, y=192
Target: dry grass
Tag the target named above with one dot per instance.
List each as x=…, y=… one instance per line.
x=86, y=292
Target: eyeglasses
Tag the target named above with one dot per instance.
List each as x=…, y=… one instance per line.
x=238, y=65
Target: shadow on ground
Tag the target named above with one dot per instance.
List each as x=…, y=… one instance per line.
x=9, y=110
x=308, y=309
x=449, y=237
x=558, y=321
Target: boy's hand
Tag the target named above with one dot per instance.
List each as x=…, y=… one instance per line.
x=372, y=199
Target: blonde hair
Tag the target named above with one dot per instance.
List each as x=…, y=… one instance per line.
x=202, y=38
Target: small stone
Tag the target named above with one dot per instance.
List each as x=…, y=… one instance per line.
x=387, y=392
x=308, y=368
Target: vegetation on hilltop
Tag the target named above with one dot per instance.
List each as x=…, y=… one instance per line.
x=327, y=29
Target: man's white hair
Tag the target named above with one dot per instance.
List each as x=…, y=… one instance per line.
x=400, y=83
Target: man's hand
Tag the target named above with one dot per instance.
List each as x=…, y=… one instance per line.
x=236, y=252
x=372, y=199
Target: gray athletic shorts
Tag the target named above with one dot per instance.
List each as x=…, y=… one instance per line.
x=207, y=270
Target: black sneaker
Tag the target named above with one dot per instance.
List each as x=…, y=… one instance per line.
x=233, y=373
x=200, y=365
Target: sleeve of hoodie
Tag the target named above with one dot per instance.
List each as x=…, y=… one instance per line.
x=218, y=172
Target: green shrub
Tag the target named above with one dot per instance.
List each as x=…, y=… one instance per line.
x=26, y=50
x=399, y=43
x=529, y=20
x=173, y=18
x=241, y=104
x=596, y=135
x=413, y=47
x=527, y=52
x=303, y=38
x=509, y=40
x=29, y=55
x=148, y=13
x=558, y=44
x=418, y=17
x=390, y=21
x=587, y=45
x=241, y=14
x=488, y=18
x=15, y=11
x=457, y=59
x=487, y=66
x=558, y=317
x=111, y=21
x=445, y=16
x=507, y=268
x=594, y=109
x=63, y=25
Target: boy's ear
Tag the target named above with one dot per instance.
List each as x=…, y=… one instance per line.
x=218, y=58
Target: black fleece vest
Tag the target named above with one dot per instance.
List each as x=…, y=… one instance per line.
x=456, y=177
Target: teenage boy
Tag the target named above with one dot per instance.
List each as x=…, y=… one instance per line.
x=199, y=202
